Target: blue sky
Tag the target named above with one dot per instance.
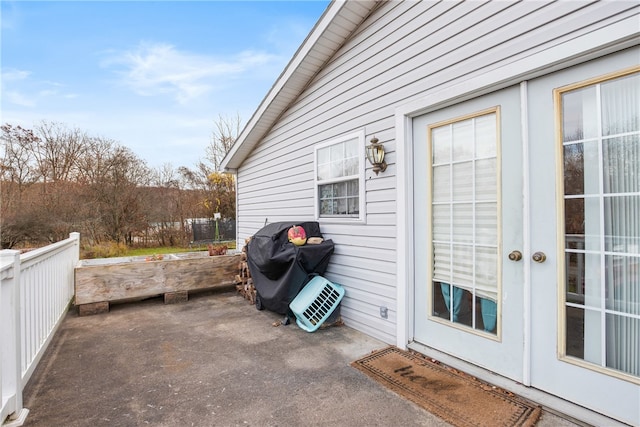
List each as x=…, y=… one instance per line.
x=152, y=75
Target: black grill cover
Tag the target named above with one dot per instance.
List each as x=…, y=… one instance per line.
x=279, y=268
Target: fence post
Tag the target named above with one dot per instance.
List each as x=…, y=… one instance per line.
x=76, y=236
x=76, y=257
x=10, y=336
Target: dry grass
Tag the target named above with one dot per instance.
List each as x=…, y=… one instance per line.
x=110, y=250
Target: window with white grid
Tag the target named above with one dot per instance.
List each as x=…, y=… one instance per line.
x=464, y=219
x=601, y=161
x=339, y=172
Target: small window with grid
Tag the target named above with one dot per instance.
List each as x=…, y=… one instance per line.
x=339, y=178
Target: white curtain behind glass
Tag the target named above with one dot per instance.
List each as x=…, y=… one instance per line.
x=605, y=119
x=620, y=106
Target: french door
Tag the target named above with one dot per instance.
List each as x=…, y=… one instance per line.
x=468, y=231
x=563, y=313
x=585, y=226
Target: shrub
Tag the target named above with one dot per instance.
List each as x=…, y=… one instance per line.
x=104, y=250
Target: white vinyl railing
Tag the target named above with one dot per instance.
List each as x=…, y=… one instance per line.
x=36, y=289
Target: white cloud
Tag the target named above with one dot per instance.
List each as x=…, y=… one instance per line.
x=54, y=90
x=18, y=98
x=153, y=69
x=19, y=88
x=14, y=75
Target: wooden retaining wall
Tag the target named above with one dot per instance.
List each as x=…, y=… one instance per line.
x=98, y=285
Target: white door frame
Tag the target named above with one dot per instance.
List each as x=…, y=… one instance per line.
x=584, y=48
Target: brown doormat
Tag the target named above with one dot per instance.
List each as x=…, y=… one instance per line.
x=457, y=398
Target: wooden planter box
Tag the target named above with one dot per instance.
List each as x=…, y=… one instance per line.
x=101, y=281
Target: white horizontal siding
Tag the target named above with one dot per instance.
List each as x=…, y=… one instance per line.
x=402, y=52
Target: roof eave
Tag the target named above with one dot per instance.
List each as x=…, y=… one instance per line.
x=300, y=70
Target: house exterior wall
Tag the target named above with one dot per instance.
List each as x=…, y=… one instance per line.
x=401, y=52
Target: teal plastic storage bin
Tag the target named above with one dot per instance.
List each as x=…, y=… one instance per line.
x=315, y=303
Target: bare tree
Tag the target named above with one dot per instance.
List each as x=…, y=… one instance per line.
x=113, y=197
x=93, y=164
x=120, y=196
x=227, y=129
x=58, y=150
x=19, y=213
x=18, y=157
x=55, y=179
x=166, y=207
x=196, y=178
x=93, y=174
x=217, y=189
x=223, y=137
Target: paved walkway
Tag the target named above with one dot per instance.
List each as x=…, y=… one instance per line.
x=212, y=361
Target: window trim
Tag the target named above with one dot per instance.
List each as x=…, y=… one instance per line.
x=360, y=136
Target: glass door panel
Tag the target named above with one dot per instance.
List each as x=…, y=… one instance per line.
x=464, y=221
x=601, y=167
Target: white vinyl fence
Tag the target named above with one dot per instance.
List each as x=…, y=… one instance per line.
x=36, y=289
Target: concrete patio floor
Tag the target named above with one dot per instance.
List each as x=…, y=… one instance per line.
x=212, y=361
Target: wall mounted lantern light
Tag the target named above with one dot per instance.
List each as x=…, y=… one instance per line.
x=375, y=155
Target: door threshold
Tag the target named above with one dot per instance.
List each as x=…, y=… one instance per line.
x=550, y=403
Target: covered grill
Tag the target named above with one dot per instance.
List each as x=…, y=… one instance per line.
x=279, y=268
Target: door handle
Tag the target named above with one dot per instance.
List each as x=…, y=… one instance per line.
x=515, y=256
x=539, y=257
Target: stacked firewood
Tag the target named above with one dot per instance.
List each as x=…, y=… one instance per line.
x=244, y=283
